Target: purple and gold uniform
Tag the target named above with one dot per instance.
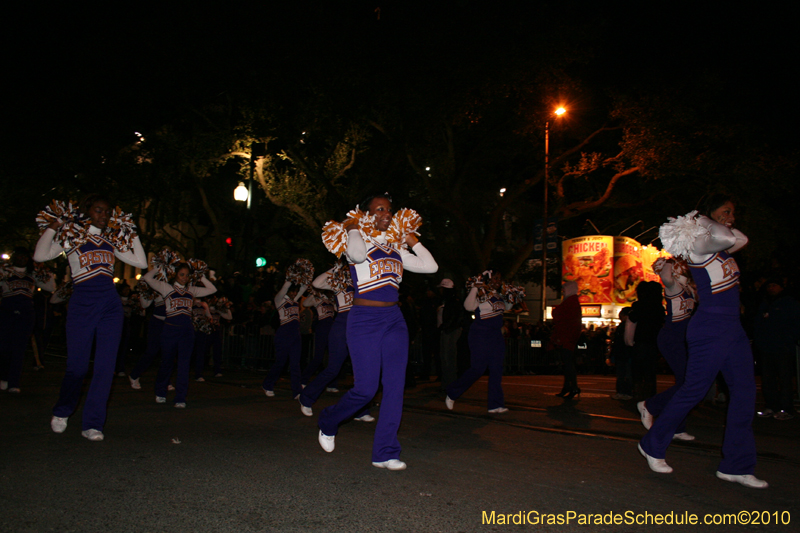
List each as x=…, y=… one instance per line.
x=378, y=339
x=177, y=337
x=487, y=348
x=95, y=316
x=288, y=345
x=672, y=345
x=17, y=319
x=716, y=343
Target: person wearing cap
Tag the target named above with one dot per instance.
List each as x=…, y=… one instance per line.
x=775, y=335
x=449, y=323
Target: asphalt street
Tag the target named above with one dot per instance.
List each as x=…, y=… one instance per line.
x=235, y=460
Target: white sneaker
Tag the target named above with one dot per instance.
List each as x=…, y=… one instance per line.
x=449, y=403
x=498, y=410
x=14, y=390
x=682, y=436
x=269, y=393
x=121, y=374
x=748, y=480
x=161, y=399
x=391, y=464
x=180, y=405
x=135, y=383
x=217, y=375
x=331, y=389
x=647, y=418
x=306, y=410
x=366, y=418
x=170, y=387
x=93, y=435
x=326, y=442
x=656, y=465
x=58, y=424
x=3, y=385
x=200, y=380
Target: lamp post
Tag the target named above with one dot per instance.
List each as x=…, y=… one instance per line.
x=558, y=112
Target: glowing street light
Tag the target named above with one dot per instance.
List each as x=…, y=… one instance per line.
x=240, y=193
x=502, y=191
x=558, y=112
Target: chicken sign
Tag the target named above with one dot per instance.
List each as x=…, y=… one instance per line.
x=589, y=262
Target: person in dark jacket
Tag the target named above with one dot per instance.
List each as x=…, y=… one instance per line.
x=644, y=323
x=775, y=335
x=449, y=331
x=566, y=330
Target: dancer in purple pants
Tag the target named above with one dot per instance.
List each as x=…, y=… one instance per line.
x=17, y=316
x=716, y=341
x=376, y=330
x=177, y=337
x=95, y=315
x=486, y=344
x=288, y=344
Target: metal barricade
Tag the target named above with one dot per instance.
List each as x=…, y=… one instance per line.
x=246, y=346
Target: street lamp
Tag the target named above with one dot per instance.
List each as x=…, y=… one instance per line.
x=240, y=193
x=558, y=112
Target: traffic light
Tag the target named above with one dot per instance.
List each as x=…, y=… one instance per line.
x=260, y=262
x=230, y=251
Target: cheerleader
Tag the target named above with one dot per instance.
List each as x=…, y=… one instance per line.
x=17, y=314
x=671, y=339
x=486, y=344
x=177, y=337
x=95, y=311
x=288, y=344
x=376, y=331
x=716, y=342
x=325, y=312
x=337, y=280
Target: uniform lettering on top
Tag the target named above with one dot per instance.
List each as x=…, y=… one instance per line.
x=20, y=284
x=387, y=265
x=174, y=304
x=96, y=257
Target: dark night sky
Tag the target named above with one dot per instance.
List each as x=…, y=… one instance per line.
x=81, y=77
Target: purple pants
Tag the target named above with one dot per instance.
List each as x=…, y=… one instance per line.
x=321, y=334
x=177, y=340
x=672, y=345
x=378, y=342
x=288, y=345
x=487, y=350
x=717, y=343
x=95, y=315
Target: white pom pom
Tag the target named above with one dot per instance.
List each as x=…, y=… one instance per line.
x=678, y=235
